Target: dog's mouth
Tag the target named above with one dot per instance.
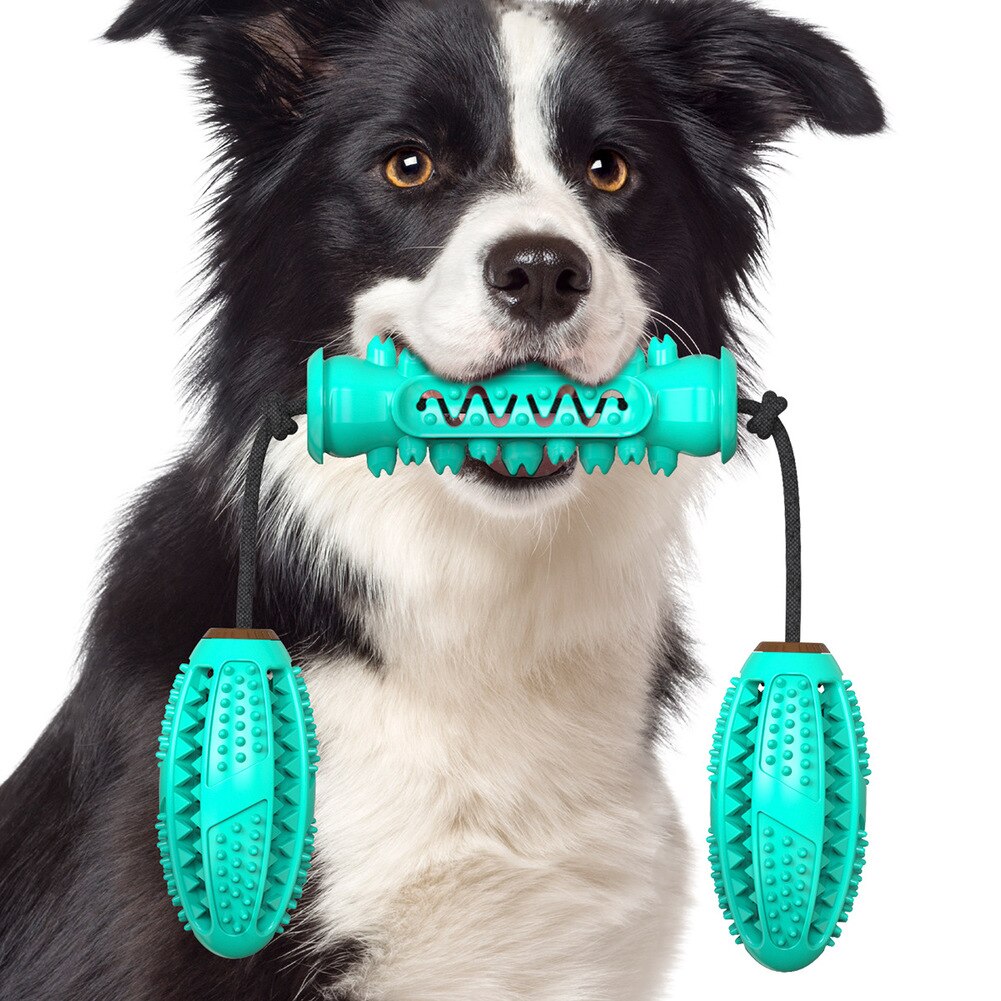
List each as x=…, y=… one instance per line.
x=495, y=474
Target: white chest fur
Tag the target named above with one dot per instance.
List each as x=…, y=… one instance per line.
x=492, y=821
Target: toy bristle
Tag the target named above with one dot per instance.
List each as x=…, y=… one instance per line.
x=734, y=844
x=185, y=717
x=845, y=751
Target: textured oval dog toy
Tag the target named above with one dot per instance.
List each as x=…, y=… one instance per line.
x=238, y=757
x=789, y=769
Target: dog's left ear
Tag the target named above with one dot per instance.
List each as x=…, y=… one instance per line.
x=755, y=75
x=257, y=58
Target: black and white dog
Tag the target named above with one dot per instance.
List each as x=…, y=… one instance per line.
x=489, y=656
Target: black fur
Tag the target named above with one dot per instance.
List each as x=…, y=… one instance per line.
x=307, y=98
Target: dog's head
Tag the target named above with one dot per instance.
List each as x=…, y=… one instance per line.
x=492, y=182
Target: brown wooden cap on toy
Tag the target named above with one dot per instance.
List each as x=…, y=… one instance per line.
x=791, y=648
x=241, y=634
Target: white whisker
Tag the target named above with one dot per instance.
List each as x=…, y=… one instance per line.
x=644, y=264
x=673, y=324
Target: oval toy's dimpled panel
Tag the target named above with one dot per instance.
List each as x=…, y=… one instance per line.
x=238, y=756
x=240, y=737
x=788, y=768
x=788, y=861
x=791, y=752
x=237, y=866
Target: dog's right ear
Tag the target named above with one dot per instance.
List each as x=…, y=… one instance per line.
x=754, y=75
x=259, y=59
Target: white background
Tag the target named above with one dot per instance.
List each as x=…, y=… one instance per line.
x=880, y=306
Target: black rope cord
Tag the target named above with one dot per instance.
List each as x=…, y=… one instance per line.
x=765, y=424
x=277, y=422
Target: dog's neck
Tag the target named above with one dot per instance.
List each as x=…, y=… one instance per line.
x=460, y=592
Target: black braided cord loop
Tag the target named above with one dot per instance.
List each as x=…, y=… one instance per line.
x=765, y=424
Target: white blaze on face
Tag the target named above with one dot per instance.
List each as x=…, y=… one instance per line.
x=448, y=316
x=533, y=50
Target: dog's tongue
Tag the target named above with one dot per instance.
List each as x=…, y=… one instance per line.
x=546, y=468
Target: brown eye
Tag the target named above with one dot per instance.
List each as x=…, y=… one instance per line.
x=408, y=168
x=608, y=171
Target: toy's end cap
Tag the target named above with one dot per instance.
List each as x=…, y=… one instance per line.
x=241, y=634
x=791, y=648
x=728, y=404
x=314, y=406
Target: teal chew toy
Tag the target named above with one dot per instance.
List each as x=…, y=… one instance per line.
x=238, y=753
x=238, y=758
x=789, y=768
x=389, y=405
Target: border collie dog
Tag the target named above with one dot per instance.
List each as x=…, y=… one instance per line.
x=490, y=657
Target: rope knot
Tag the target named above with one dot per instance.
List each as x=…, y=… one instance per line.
x=763, y=422
x=277, y=414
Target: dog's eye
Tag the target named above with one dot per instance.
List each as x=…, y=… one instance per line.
x=408, y=168
x=608, y=171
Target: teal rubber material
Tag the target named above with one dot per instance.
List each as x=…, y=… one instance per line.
x=238, y=757
x=388, y=406
x=789, y=769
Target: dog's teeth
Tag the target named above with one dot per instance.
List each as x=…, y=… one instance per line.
x=447, y=455
x=632, y=450
x=412, y=450
x=662, y=460
x=597, y=454
x=560, y=450
x=484, y=449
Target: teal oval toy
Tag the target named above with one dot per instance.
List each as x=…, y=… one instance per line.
x=238, y=757
x=789, y=768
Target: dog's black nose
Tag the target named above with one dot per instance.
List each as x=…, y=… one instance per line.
x=539, y=279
